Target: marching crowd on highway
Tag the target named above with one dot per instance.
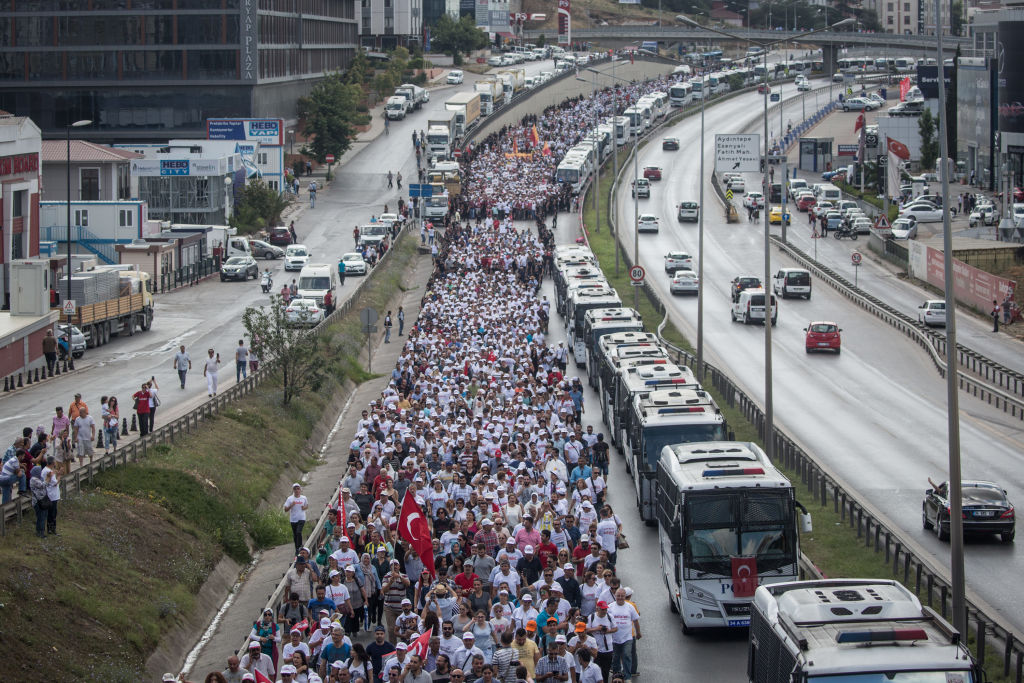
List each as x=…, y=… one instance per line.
x=471, y=540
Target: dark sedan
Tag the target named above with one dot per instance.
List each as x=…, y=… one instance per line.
x=670, y=143
x=986, y=510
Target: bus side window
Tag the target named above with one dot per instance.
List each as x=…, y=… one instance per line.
x=678, y=568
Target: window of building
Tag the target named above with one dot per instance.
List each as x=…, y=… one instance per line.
x=906, y=7
x=125, y=218
x=889, y=7
x=17, y=244
x=889, y=20
x=82, y=218
x=262, y=159
x=273, y=185
x=89, y=184
x=18, y=203
x=124, y=184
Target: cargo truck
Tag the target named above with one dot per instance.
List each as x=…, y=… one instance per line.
x=466, y=106
x=492, y=94
x=414, y=93
x=130, y=310
x=513, y=81
x=441, y=135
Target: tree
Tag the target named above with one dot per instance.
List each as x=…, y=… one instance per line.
x=541, y=40
x=331, y=116
x=259, y=206
x=929, y=143
x=735, y=82
x=456, y=37
x=956, y=19
x=289, y=350
x=359, y=70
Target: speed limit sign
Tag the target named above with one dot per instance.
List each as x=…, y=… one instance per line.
x=636, y=274
x=855, y=258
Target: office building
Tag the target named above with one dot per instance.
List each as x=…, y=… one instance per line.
x=387, y=24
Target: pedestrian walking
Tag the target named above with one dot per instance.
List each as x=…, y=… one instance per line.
x=182, y=363
x=309, y=167
x=50, y=351
x=291, y=231
x=241, y=361
x=995, y=315
x=401, y=321
x=341, y=272
x=210, y=368
x=141, y=406
x=387, y=126
x=85, y=435
x=355, y=235
x=110, y=424
x=626, y=629
x=293, y=289
x=40, y=501
x=295, y=187
x=296, y=505
x=399, y=179
x=60, y=437
x=1007, y=309
x=312, y=194
x=387, y=328
x=154, y=400
x=51, y=481
x=391, y=181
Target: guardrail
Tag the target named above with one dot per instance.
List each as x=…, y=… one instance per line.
x=916, y=572
x=184, y=425
x=980, y=387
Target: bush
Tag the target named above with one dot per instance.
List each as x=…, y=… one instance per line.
x=268, y=528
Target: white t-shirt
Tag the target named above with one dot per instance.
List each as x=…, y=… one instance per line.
x=623, y=615
x=211, y=365
x=606, y=530
x=295, y=512
x=85, y=425
x=345, y=558
x=339, y=594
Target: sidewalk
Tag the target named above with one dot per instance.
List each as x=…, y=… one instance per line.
x=319, y=486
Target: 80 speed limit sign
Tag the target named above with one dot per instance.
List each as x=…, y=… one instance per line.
x=636, y=274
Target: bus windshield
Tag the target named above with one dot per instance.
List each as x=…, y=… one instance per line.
x=896, y=677
x=567, y=175
x=656, y=438
x=731, y=523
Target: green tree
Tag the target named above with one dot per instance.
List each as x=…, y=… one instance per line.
x=956, y=19
x=735, y=82
x=457, y=37
x=258, y=207
x=929, y=141
x=540, y=40
x=331, y=117
x=292, y=352
x=359, y=70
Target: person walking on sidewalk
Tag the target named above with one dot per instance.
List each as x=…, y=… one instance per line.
x=401, y=321
x=391, y=182
x=399, y=179
x=296, y=506
x=85, y=435
x=52, y=483
x=387, y=328
x=182, y=363
x=241, y=361
x=50, y=351
x=141, y=398
x=995, y=315
x=312, y=194
x=210, y=372
x=154, y=400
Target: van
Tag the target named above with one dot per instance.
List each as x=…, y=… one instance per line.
x=749, y=307
x=316, y=280
x=642, y=188
x=792, y=282
x=796, y=184
x=830, y=193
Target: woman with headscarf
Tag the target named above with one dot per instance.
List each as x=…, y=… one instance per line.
x=372, y=581
x=40, y=501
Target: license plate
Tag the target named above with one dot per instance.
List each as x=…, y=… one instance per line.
x=738, y=622
x=822, y=343
x=984, y=513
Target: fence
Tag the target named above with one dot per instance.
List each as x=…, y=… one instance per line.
x=186, y=275
x=915, y=571
x=184, y=425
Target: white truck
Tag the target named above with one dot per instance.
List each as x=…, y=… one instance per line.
x=396, y=107
x=414, y=93
x=441, y=135
x=865, y=630
x=513, y=81
x=466, y=106
x=492, y=94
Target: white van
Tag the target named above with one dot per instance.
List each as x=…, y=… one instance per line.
x=792, y=282
x=316, y=280
x=830, y=193
x=749, y=308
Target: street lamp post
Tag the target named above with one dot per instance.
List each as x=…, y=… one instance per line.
x=769, y=418
x=67, y=129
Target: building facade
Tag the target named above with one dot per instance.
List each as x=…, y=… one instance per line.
x=98, y=172
x=20, y=173
x=145, y=69
x=896, y=16
x=387, y=24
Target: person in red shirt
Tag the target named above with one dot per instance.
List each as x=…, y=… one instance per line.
x=142, y=408
x=465, y=580
x=546, y=549
x=581, y=550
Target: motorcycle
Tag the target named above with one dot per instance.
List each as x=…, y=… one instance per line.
x=845, y=231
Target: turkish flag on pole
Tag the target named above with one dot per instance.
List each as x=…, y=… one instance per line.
x=859, y=124
x=260, y=677
x=421, y=644
x=413, y=527
x=897, y=148
x=744, y=576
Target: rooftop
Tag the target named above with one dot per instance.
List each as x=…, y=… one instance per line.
x=84, y=151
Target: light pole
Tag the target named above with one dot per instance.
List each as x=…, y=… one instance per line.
x=597, y=144
x=769, y=418
x=700, y=251
x=67, y=129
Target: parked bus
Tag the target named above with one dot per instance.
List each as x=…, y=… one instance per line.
x=680, y=94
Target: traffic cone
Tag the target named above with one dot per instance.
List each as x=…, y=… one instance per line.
x=135, y=427
x=124, y=426
x=20, y=385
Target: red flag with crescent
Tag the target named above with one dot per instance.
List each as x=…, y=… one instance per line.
x=413, y=527
x=260, y=677
x=897, y=148
x=859, y=123
x=744, y=576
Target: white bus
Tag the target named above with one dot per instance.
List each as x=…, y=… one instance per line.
x=572, y=171
x=727, y=522
x=599, y=322
x=659, y=102
x=905, y=64
x=622, y=134
x=663, y=418
x=718, y=83
x=680, y=94
x=700, y=87
x=635, y=115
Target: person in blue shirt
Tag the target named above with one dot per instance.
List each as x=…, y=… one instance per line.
x=321, y=602
x=581, y=471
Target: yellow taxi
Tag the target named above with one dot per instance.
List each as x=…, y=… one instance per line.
x=775, y=216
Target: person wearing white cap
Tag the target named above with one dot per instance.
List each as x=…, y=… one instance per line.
x=294, y=644
x=320, y=636
x=463, y=657
x=254, y=660
x=296, y=505
x=399, y=659
x=525, y=612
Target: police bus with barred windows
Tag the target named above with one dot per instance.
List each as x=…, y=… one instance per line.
x=600, y=372
x=680, y=94
x=572, y=171
x=863, y=630
x=622, y=132
x=633, y=379
x=625, y=364
x=566, y=275
x=599, y=322
x=580, y=301
x=574, y=285
x=666, y=416
x=727, y=522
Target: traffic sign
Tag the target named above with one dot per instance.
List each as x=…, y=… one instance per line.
x=69, y=307
x=636, y=274
x=728, y=195
x=882, y=223
x=738, y=153
x=855, y=258
x=329, y=158
x=418, y=190
x=367, y=318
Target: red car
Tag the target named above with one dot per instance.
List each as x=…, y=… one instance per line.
x=761, y=87
x=822, y=336
x=652, y=172
x=1018, y=194
x=280, y=237
x=806, y=202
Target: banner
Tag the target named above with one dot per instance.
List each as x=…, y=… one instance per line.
x=971, y=285
x=564, y=22
x=904, y=88
x=413, y=527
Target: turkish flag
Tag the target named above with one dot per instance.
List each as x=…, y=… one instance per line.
x=744, y=576
x=302, y=625
x=859, y=124
x=421, y=644
x=413, y=527
x=904, y=88
x=260, y=677
x=897, y=148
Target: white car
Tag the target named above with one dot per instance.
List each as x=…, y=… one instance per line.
x=754, y=200
x=494, y=60
x=1018, y=215
x=455, y=77
x=859, y=104
x=354, y=263
x=922, y=212
x=678, y=260
x=647, y=223
x=904, y=229
x=983, y=214
x=296, y=256
x=737, y=185
x=802, y=83
x=684, y=282
x=862, y=224
x=932, y=312
x=303, y=312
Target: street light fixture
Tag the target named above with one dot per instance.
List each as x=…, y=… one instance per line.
x=67, y=128
x=769, y=408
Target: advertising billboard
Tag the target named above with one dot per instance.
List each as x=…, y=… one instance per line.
x=265, y=131
x=1010, y=51
x=564, y=22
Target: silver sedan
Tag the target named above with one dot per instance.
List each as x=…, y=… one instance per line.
x=684, y=282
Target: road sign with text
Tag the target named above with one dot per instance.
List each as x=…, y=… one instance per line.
x=68, y=307
x=738, y=153
x=636, y=274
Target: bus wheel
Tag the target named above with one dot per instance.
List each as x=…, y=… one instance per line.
x=672, y=605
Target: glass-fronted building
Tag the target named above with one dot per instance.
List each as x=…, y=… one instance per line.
x=158, y=69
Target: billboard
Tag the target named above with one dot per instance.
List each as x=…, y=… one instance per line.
x=738, y=153
x=265, y=131
x=928, y=81
x=564, y=22
x=1010, y=51
x=179, y=167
